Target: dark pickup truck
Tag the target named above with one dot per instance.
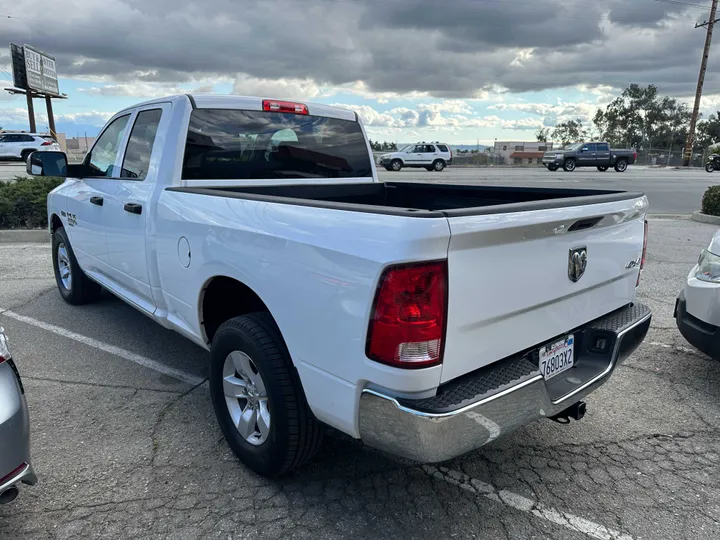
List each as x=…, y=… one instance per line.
x=589, y=154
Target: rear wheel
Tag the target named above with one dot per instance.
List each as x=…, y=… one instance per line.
x=258, y=398
x=602, y=168
x=74, y=286
x=569, y=165
x=710, y=167
x=396, y=165
x=25, y=154
x=388, y=168
x=439, y=165
x=621, y=165
x=428, y=168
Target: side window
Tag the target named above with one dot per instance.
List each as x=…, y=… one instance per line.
x=603, y=147
x=12, y=138
x=588, y=148
x=101, y=159
x=420, y=148
x=442, y=148
x=142, y=137
x=28, y=138
x=430, y=149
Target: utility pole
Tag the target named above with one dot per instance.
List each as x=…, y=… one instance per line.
x=701, y=79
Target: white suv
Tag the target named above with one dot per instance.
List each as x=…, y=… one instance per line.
x=21, y=145
x=432, y=156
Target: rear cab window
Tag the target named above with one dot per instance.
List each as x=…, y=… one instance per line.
x=602, y=147
x=229, y=144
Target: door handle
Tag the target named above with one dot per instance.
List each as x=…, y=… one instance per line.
x=133, y=208
x=97, y=201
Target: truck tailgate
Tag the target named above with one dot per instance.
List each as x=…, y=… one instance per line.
x=510, y=287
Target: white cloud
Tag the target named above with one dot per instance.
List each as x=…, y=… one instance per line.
x=277, y=88
x=135, y=89
x=93, y=118
x=370, y=116
x=523, y=124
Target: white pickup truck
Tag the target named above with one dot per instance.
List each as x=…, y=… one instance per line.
x=425, y=319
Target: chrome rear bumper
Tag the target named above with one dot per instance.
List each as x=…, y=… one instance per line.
x=426, y=431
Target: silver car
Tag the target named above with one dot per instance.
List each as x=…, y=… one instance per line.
x=15, y=464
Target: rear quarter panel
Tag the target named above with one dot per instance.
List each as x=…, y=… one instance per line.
x=315, y=269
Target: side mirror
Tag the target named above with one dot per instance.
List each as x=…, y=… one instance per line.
x=584, y=149
x=47, y=164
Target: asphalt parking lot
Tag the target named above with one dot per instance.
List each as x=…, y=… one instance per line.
x=126, y=445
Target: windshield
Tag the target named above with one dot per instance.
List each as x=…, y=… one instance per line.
x=234, y=144
x=408, y=148
x=575, y=146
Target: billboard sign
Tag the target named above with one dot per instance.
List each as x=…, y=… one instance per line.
x=40, y=71
x=17, y=57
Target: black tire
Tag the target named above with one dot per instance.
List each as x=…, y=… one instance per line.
x=24, y=155
x=429, y=169
x=387, y=168
x=294, y=435
x=438, y=165
x=395, y=165
x=552, y=168
x=602, y=168
x=569, y=165
x=710, y=167
x=82, y=289
x=621, y=165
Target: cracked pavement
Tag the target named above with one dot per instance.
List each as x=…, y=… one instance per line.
x=123, y=451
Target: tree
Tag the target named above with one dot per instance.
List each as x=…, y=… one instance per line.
x=708, y=131
x=569, y=132
x=542, y=134
x=641, y=117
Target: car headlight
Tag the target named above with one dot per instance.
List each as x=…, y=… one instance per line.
x=708, y=267
x=558, y=156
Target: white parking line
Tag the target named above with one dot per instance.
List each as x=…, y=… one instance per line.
x=675, y=347
x=106, y=347
x=524, y=504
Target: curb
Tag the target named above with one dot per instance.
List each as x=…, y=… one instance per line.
x=705, y=218
x=24, y=236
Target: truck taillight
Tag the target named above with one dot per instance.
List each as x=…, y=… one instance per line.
x=635, y=155
x=46, y=143
x=407, y=324
x=644, y=252
x=270, y=105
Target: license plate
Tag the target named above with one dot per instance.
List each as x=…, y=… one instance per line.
x=557, y=357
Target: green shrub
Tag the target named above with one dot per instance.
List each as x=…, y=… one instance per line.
x=23, y=203
x=711, y=201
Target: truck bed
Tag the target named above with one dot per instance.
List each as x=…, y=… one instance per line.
x=418, y=199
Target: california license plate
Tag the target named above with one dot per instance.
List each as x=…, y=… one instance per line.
x=557, y=357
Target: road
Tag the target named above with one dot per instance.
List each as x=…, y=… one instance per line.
x=670, y=191
x=126, y=445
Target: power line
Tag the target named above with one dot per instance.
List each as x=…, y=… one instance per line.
x=678, y=3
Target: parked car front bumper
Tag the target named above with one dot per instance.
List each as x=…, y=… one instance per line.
x=426, y=431
x=700, y=334
x=15, y=463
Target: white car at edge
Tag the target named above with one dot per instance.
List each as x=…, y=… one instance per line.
x=432, y=156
